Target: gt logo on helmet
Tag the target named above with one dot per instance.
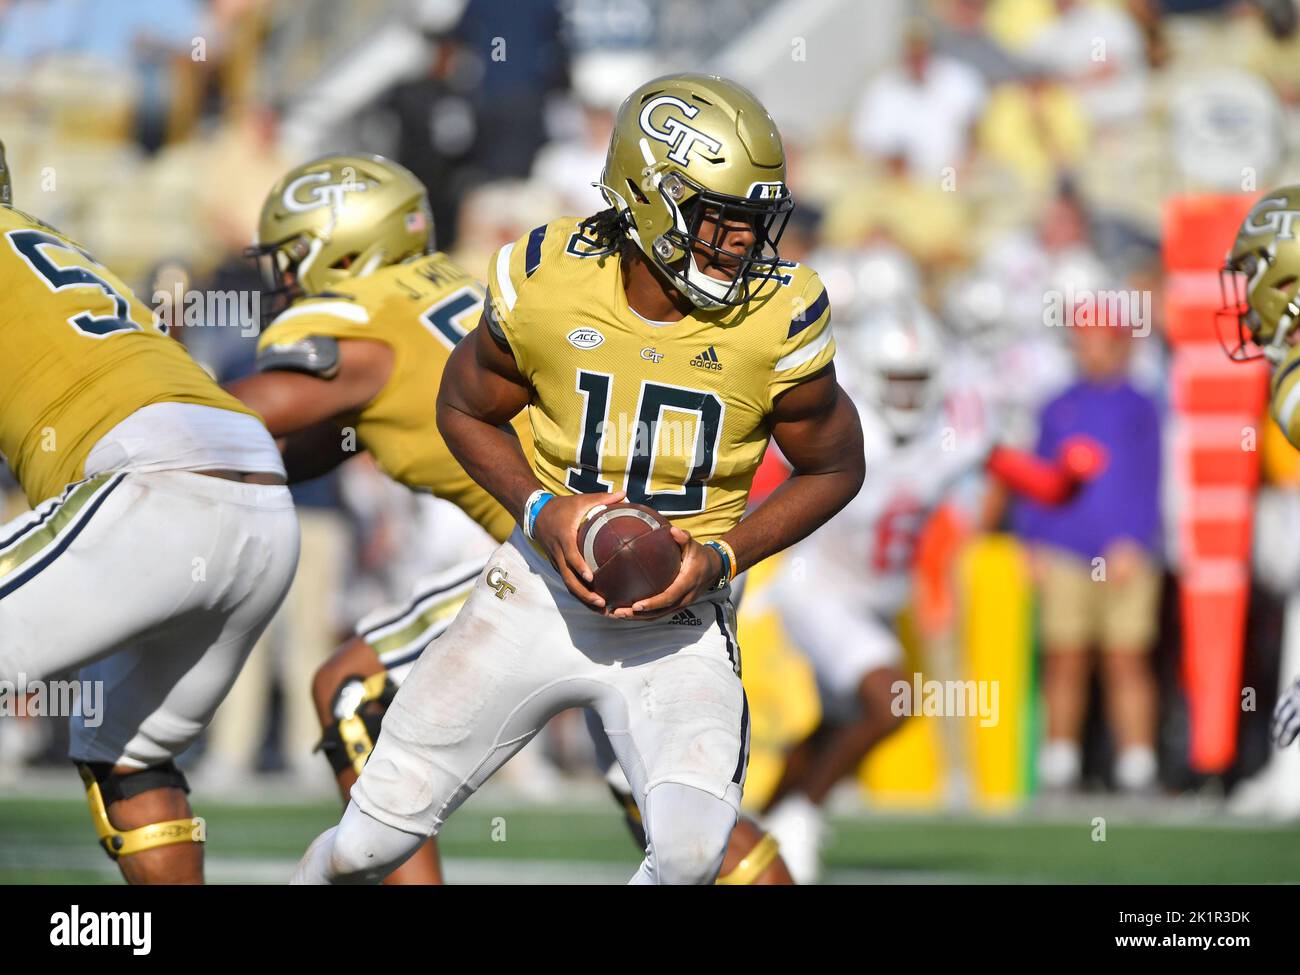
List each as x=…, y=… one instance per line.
x=675, y=132
x=326, y=195
x=1269, y=218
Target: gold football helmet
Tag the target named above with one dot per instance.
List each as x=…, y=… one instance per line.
x=1261, y=276
x=6, y=190
x=688, y=147
x=338, y=217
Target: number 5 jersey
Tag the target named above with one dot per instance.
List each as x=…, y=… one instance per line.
x=79, y=354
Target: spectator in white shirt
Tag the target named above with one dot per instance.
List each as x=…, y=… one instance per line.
x=1100, y=53
x=922, y=111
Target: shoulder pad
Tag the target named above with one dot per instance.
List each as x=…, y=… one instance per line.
x=315, y=355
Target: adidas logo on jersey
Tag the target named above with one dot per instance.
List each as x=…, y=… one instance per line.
x=686, y=618
x=708, y=359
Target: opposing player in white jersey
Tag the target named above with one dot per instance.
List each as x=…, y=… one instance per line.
x=841, y=590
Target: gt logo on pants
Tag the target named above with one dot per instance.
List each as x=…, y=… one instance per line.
x=496, y=580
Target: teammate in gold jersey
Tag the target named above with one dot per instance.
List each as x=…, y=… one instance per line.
x=658, y=346
x=1260, y=279
x=372, y=314
x=160, y=543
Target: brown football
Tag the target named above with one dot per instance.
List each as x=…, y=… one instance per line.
x=630, y=551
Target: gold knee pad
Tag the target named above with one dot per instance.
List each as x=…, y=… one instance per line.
x=349, y=741
x=119, y=843
x=753, y=863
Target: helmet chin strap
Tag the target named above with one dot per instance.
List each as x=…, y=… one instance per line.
x=371, y=266
x=313, y=251
x=1276, y=350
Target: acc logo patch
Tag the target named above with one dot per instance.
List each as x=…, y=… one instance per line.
x=585, y=338
x=311, y=191
x=675, y=132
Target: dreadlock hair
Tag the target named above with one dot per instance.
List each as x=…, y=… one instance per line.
x=608, y=228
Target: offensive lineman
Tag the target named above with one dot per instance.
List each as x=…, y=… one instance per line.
x=669, y=308
x=161, y=542
x=373, y=313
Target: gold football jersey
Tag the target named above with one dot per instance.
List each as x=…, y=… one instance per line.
x=79, y=353
x=1285, y=393
x=675, y=414
x=420, y=309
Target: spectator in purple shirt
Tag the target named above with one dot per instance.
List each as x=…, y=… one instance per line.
x=1097, y=565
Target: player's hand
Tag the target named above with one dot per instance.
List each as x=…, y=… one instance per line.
x=556, y=531
x=699, y=572
x=1286, y=716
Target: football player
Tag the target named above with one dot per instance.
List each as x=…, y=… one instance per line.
x=1260, y=282
x=842, y=589
x=366, y=314
x=161, y=540
x=659, y=345
x=353, y=361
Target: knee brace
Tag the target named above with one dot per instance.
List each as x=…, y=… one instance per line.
x=358, y=708
x=105, y=786
x=753, y=863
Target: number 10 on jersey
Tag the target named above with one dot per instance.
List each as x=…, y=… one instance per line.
x=651, y=436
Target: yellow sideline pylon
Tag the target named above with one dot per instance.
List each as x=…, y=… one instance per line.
x=996, y=623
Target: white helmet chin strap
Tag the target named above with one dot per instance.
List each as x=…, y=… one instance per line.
x=370, y=267
x=713, y=290
x=1276, y=350
x=313, y=252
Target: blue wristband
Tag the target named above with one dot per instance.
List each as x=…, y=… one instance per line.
x=728, y=566
x=533, y=507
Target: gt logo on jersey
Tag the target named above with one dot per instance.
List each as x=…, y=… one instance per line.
x=496, y=580
x=651, y=355
x=675, y=132
x=1267, y=218
x=311, y=191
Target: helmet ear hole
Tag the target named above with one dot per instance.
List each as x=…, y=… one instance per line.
x=636, y=192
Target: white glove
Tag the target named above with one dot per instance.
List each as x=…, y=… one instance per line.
x=1286, y=716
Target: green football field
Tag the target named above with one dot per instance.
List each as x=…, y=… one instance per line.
x=493, y=841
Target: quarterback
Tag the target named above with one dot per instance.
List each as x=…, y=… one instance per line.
x=161, y=541
x=369, y=314
x=1260, y=280
x=659, y=345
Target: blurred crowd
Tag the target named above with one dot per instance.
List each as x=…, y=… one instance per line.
x=1004, y=151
